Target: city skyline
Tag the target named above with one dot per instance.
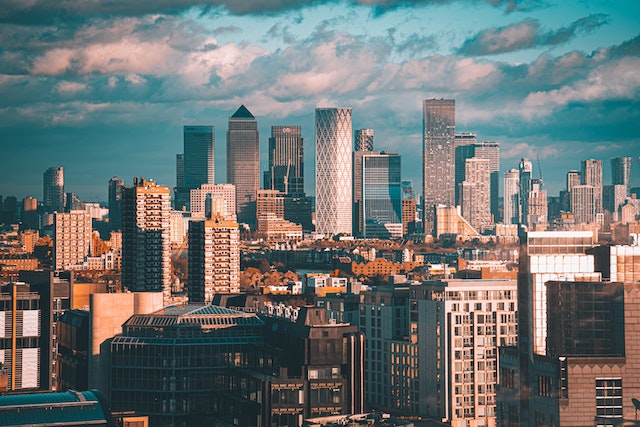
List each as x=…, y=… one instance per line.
x=106, y=91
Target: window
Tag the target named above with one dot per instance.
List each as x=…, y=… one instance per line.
x=608, y=400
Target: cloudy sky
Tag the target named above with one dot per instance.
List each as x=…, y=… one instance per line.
x=104, y=87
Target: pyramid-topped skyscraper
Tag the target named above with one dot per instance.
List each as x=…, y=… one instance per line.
x=243, y=162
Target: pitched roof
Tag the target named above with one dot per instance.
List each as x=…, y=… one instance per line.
x=242, y=113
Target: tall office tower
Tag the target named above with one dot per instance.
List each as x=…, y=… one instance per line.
x=475, y=194
x=592, y=175
x=583, y=204
x=180, y=170
x=71, y=238
x=621, y=172
x=511, y=197
x=357, y=221
x=573, y=179
x=381, y=196
x=613, y=196
x=214, y=259
x=526, y=174
x=53, y=184
x=333, y=171
x=146, y=247
x=222, y=198
x=29, y=214
x=286, y=161
x=180, y=192
x=199, y=166
x=538, y=206
x=438, y=173
x=243, y=162
x=195, y=166
x=115, y=202
x=21, y=336
x=491, y=151
x=363, y=139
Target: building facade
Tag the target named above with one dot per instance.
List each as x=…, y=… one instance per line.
x=583, y=203
x=146, y=240
x=475, y=193
x=243, y=162
x=438, y=157
x=71, y=239
x=214, y=259
x=363, y=140
x=621, y=172
x=20, y=336
x=511, y=197
x=333, y=171
x=591, y=174
x=286, y=161
x=381, y=203
x=53, y=185
x=222, y=198
x=115, y=203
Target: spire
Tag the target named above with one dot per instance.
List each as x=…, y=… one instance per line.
x=242, y=113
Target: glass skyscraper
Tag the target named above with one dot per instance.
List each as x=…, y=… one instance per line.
x=286, y=161
x=381, y=193
x=243, y=162
x=333, y=171
x=438, y=175
x=621, y=172
x=53, y=186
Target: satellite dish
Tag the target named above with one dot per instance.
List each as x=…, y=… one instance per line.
x=635, y=402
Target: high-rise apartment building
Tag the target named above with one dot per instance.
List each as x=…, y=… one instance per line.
x=381, y=194
x=591, y=174
x=146, y=245
x=583, y=204
x=363, y=140
x=438, y=155
x=333, y=171
x=573, y=179
x=621, y=172
x=20, y=352
x=613, y=197
x=221, y=196
x=286, y=161
x=53, y=184
x=537, y=206
x=511, y=197
x=475, y=197
x=71, y=239
x=214, y=259
x=467, y=148
x=243, y=162
x=115, y=202
x=457, y=325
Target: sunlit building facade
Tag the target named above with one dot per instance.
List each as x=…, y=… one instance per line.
x=438, y=156
x=243, y=162
x=333, y=171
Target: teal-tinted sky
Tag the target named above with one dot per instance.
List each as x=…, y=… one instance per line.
x=103, y=88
